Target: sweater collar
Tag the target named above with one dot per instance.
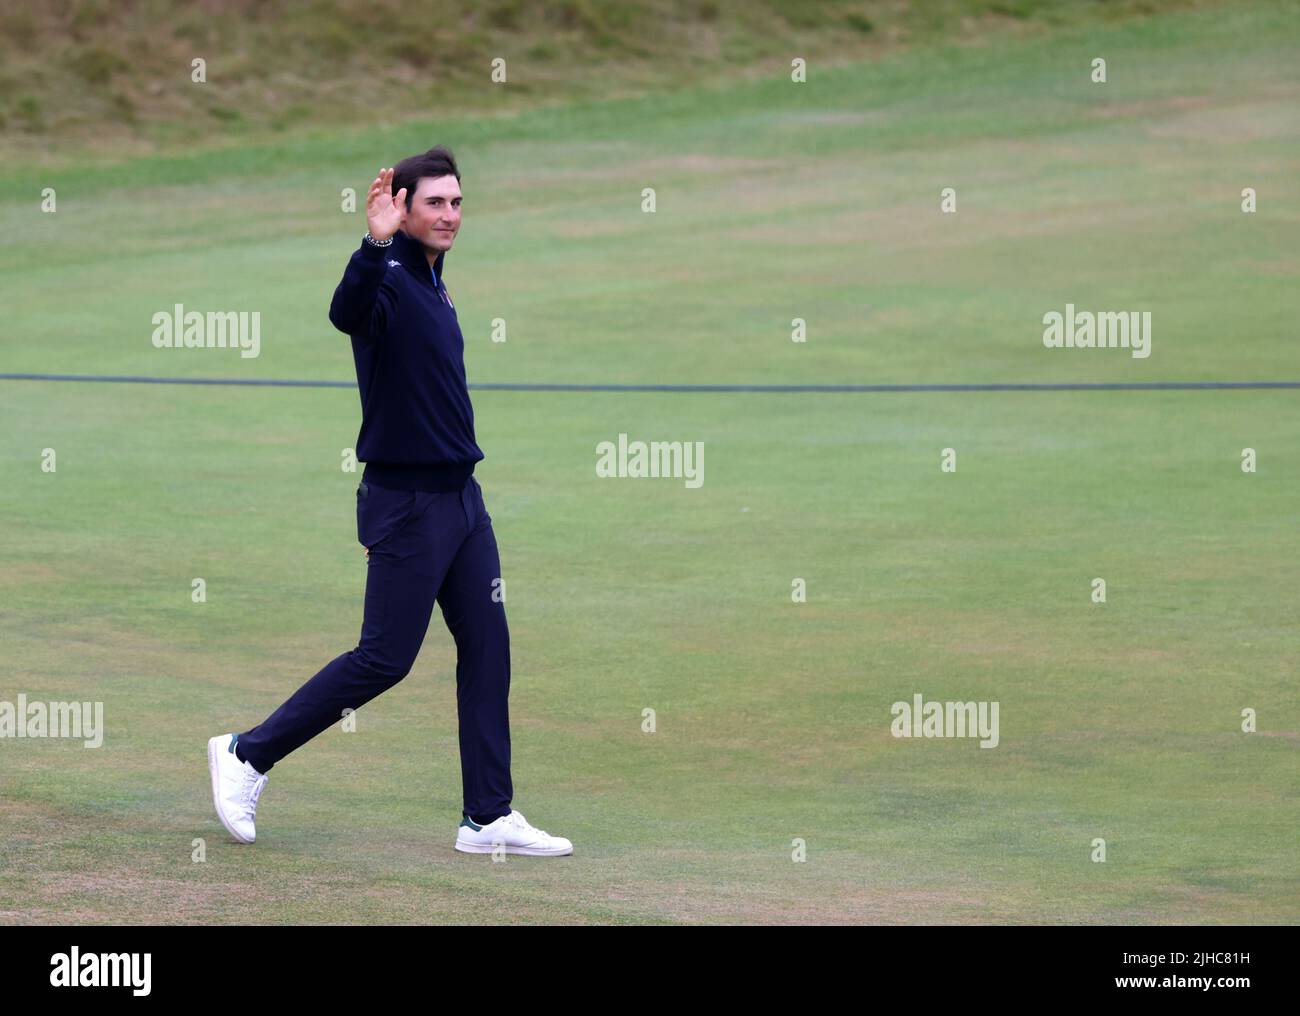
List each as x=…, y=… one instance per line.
x=411, y=254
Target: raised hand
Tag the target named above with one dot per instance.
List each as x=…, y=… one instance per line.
x=384, y=209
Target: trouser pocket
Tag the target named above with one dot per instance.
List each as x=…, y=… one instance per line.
x=381, y=512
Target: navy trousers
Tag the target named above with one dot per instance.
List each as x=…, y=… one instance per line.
x=423, y=546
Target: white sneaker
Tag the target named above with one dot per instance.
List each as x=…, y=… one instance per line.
x=513, y=834
x=236, y=786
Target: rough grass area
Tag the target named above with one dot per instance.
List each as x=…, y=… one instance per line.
x=117, y=74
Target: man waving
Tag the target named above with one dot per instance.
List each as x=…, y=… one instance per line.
x=420, y=516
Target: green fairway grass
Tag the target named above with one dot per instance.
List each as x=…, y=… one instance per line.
x=1119, y=721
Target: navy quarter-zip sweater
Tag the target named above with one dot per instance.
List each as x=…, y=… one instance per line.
x=417, y=424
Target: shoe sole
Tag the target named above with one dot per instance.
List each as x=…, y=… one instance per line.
x=213, y=748
x=487, y=848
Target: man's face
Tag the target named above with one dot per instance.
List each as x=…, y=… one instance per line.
x=434, y=216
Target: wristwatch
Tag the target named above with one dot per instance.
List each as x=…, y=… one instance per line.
x=376, y=243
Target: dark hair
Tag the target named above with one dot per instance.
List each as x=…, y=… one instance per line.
x=437, y=161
